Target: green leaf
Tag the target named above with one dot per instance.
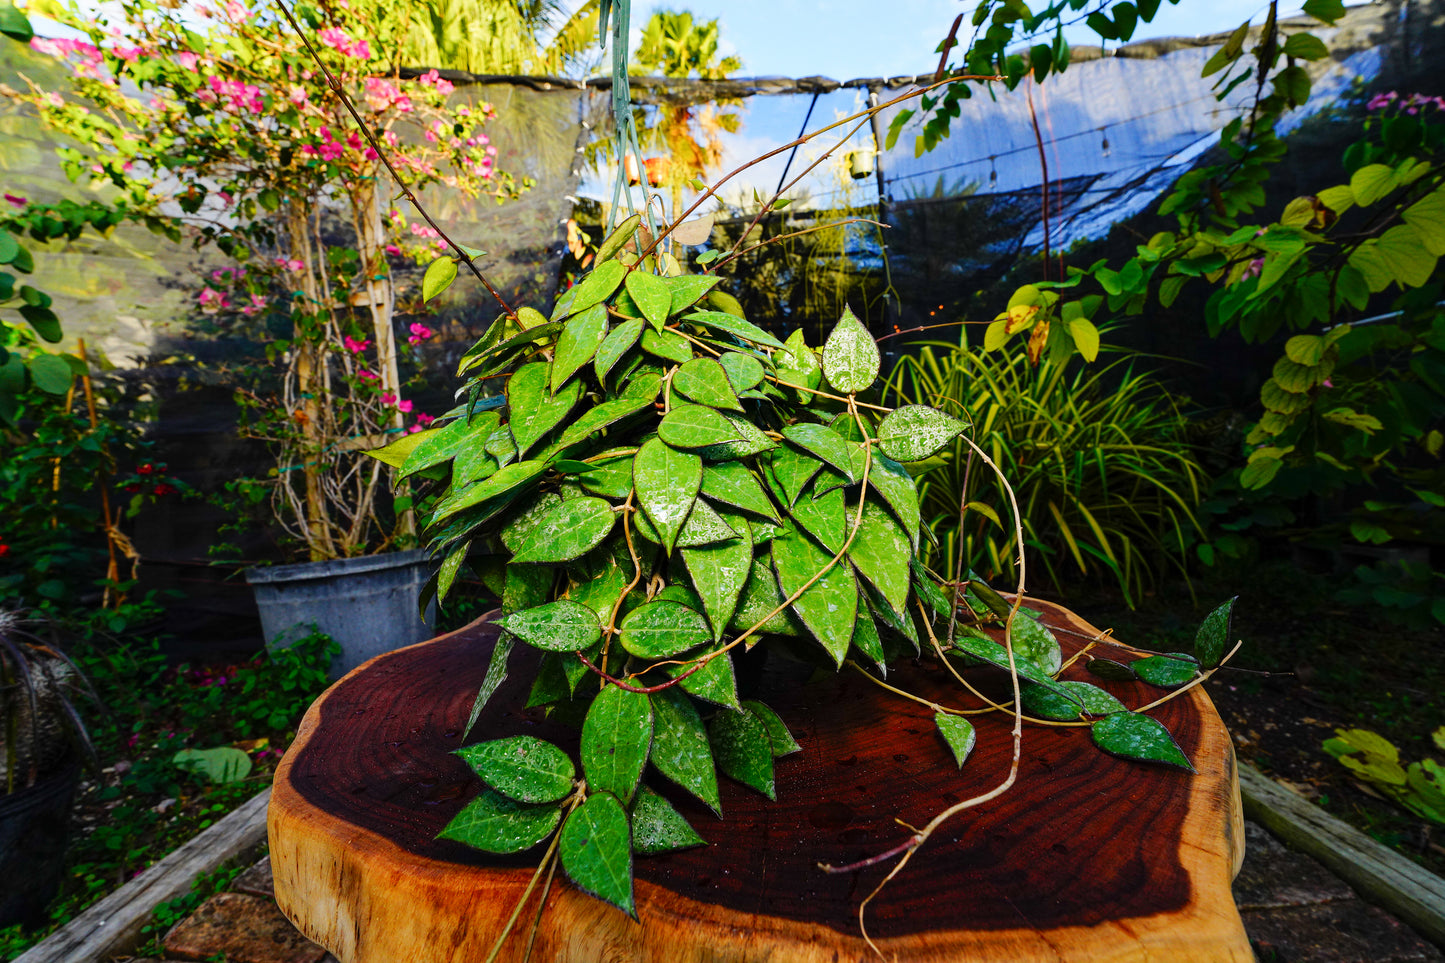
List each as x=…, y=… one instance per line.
x=743, y=750
x=220, y=765
x=595, y=848
x=1305, y=46
x=1036, y=641
x=1427, y=217
x=1327, y=11
x=696, y=426
x=443, y=444
x=439, y=276
x=1212, y=640
x=789, y=471
x=743, y=370
x=561, y=626
x=761, y=597
x=680, y=749
x=658, y=828
x=704, y=381
x=1110, y=670
x=616, y=737
x=881, y=551
x=50, y=374
x=609, y=475
x=608, y=413
x=959, y=733
x=658, y=630
x=615, y=345
x=850, y=355
x=667, y=344
x=1135, y=736
x=914, y=432
x=618, y=239
x=496, y=673
x=829, y=606
x=900, y=492
x=733, y=325
x=565, y=531
x=667, y=482
x=523, y=767
x=533, y=410
x=507, y=483
x=719, y=573
x=825, y=443
x=495, y=824
x=1372, y=182
x=14, y=24
x=798, y=365
x=782, y=740
x=1046, y=704
x=753, y=442
x=997, y=656
x=731, y=483
x=652, y=296
x=1086, y=337
x=516, y=343
x=687, y=289
x=823, y=517
x=43, y=320
x=593, y=289
x=714, y=682
x=866, y=639
x=578, y=343
x=1163, y=671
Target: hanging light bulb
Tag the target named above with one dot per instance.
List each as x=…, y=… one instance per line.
x=1104, y=147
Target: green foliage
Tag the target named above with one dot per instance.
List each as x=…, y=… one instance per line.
x=1096, y=458
x=1419, y=787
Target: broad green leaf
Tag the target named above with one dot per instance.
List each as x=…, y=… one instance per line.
x=696, y=426
x=578, y=343
x=51, y=374
x=1163, y=671
x=1046, y=704
x=959, y=733
x=566, y=530
x=760, y=596
x=525, y=587
x=495, y=824
x=824, y=517
x=1372, y=182
x=396, y=453
x=680, y=749
x=881, y=551
x=790, y=470
x=733, y=325
x=615, y=345
x=439, y=276
x=525, y=768
x=474, y=462
x=534, y=410
x=914, y=432
x=508, y=482
x=1405, y=252
x=798, y=365
x=719, y=572
x=446, y=443
x=866, y=640
x=743, y=750
x=595, y=848
x=599, y=579
x=1036, y=641
x=619, y=237
x=731, y=483
x=997, y=656
x=496, y=673
x=658, y=630
x=825, y=443
x=561, y=626
x=1427, y=217
x=743, y=370
x=593, y=420
x=616, y=737
x=667, y=344
x=1212, y=640
x=592, y=289
x=850, y=355
x=704, y=381
x=1110, y=670
x=1140, y=737
x=667, y=482
x=608, y=474
x=652, y=296
x=447, y=573
x=783, y=742
x=480, y=357
x=714, y=682
x=829, y=606
x=658, y=828
x=15, y=24
x=688, y=289
x=221, y=764
x=1086, y=337
x=900, y=492
x=754, y=442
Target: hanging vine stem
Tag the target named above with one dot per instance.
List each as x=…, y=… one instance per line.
x=406, y=190
x=549, y=858
x=921, y=836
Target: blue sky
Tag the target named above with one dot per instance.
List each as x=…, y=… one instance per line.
x=844, y=39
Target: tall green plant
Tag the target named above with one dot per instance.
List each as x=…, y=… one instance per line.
x=1106, y=485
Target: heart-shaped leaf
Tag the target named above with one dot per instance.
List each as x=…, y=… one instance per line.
x=566, y=531
x=616, y=737
x=850, y=355
x=914, y=432
x=753, y=442
x=824, y=518
x=714, y=682
x=495, y=824
x=791, y=470
x=688, y=289
x=667, y=482
x=743, y=750
x=595, y=849
x=439, y=276
x=652, y=296
x=1037, y=642
x=996, y=655
x=1047, y=704
x=1163, y=671
x=667, y=344
x=743, y=370
x=525, y=768
x=680, y=749
x=1135, y=736
x=561, y=626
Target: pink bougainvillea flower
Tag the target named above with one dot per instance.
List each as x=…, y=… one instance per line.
x=354, y=346
x=17, y=201
x=258, y=302
x=419, y=333
x=403, y=406
x=393, y=250
x=129, y=54
x=297, y=95
x=388, y=398
x=186, y=60
x=423, y=419
x=365, y=375
x=237, y=11
x=334, y=38
x=212, y=300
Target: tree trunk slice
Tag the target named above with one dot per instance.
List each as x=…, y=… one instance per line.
x=1087, y=857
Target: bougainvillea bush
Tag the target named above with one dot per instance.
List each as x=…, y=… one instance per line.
x=220, y=118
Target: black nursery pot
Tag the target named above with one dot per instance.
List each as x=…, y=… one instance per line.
x=34, y=828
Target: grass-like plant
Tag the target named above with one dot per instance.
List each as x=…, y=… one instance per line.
x=1106, y=483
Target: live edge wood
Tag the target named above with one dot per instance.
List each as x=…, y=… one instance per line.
x=1087, y=858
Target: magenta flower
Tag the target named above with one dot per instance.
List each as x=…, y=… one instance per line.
x=17, y=201
x=365, y=375
x=354, y=346
x=419, y=333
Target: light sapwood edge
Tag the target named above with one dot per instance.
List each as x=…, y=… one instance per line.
x=358, y=894
x=113, y=925
x=1379, y=874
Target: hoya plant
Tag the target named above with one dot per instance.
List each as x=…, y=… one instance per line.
x=664, y=486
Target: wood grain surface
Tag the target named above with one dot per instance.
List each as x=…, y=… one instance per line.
x=1086, y=858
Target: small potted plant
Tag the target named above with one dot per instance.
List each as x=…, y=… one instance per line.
x=42, y=747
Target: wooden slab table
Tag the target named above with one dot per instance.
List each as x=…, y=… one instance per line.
x=1086, y=858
